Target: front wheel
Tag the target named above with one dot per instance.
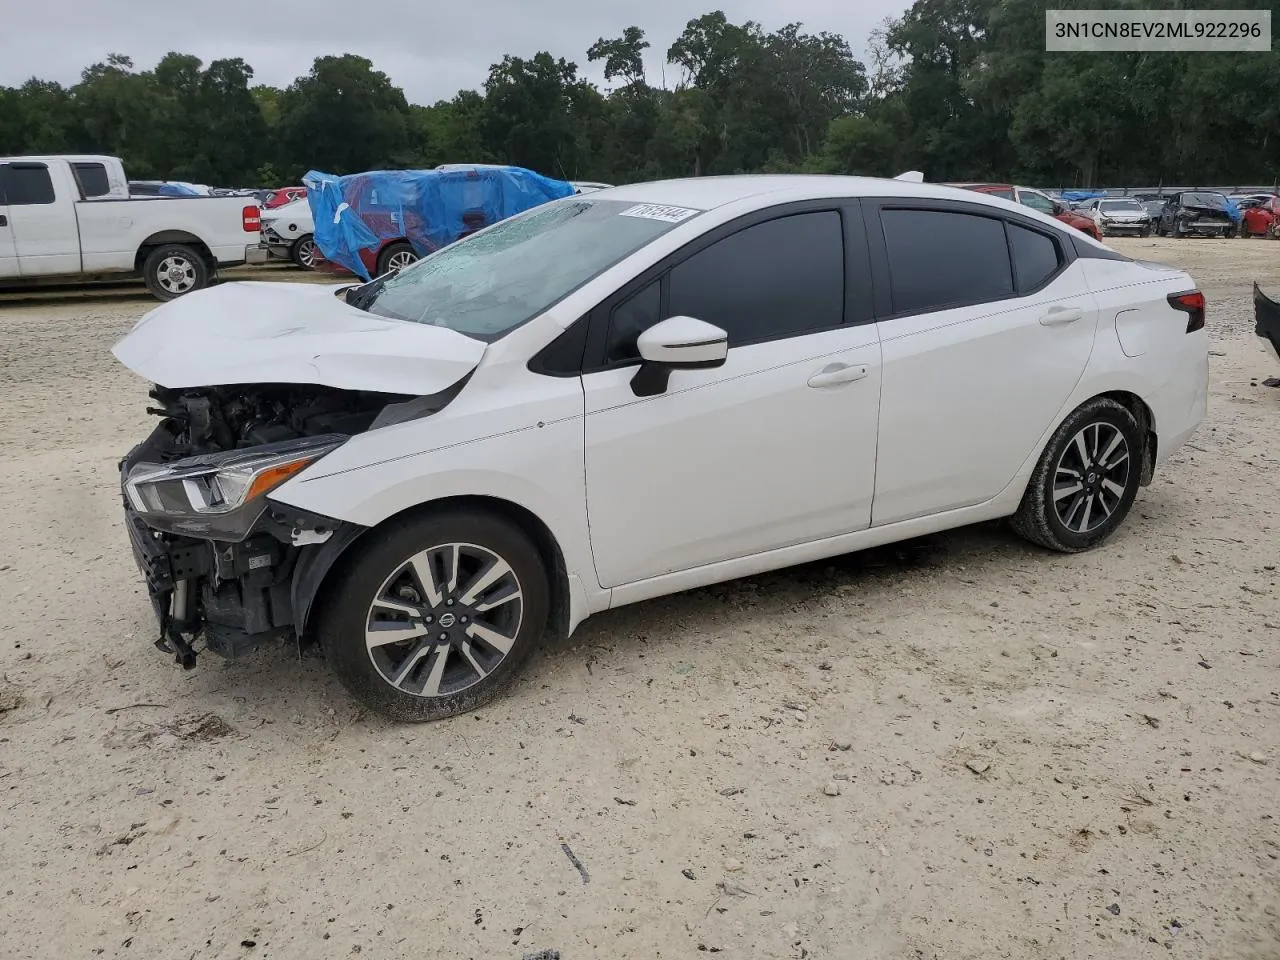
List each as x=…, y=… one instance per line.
x=435, y=616
x=1086, y=480
x=174, y=269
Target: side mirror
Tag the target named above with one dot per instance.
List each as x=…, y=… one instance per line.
x=677, y=343
x=1059, y=209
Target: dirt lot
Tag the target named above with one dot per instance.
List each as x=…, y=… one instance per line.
x=1037, y=756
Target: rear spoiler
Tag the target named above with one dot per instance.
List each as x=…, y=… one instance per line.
x=911, y=176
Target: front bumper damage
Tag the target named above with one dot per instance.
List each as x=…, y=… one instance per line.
x=232, y=596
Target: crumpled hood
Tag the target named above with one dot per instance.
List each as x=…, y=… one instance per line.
x=291, y=333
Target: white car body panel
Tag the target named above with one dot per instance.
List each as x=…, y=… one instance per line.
x=286, y=333
x=103, y=235
x=968, y=361
x=290, y=220
x=733, y=470
x=722, y=444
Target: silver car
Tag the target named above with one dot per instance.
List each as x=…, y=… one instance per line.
x=1119, y=216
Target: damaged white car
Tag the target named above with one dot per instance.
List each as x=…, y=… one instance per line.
x=628, y=393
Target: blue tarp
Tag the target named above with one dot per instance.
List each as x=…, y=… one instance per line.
x=1074, y=196
x=429, y=208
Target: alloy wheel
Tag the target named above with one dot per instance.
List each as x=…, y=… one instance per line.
x=176, y=274
x=1091, y=477
x=444, y=620
x=401, y=259
x=307, y=254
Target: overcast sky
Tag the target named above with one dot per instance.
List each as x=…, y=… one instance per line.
x=430, y=48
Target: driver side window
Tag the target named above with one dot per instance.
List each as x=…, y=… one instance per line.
x=778, y=278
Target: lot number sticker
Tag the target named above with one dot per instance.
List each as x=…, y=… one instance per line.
x=656, y=211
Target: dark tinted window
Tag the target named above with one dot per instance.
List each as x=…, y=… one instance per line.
x=775, y=279
x=939, y=259
x=630, y=319
x=1035, y=257
x=26, y=183
x=93, y=179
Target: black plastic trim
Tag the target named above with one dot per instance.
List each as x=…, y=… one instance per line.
x=314, y=564
x=1087, y=251
x=562, y=357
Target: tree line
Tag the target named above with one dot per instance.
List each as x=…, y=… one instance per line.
x=960, y=89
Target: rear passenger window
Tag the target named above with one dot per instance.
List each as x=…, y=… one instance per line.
x=775, y=279
x=25, y=183
x=93, y=179
x=940, y=259
x=1035, y=257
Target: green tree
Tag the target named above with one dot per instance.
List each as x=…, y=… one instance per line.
x=342, y=117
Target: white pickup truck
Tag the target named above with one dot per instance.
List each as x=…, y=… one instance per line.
x=70, y=218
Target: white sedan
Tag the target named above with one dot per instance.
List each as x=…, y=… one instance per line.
x=289, y=233
x=633, y=392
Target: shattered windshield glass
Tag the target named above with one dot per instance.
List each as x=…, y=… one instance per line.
x=490, y=283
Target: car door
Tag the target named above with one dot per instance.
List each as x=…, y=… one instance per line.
x=986, y=325
x=8, y=252
x=775, y=447
x=43, y=224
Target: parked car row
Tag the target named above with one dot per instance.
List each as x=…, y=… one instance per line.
x=1036, y=200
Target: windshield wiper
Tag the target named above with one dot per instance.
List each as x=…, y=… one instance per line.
x=360, y=297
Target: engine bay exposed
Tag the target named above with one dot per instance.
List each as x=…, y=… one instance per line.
x=216, y=419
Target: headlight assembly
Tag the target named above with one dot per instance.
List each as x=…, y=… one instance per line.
x=219, y=496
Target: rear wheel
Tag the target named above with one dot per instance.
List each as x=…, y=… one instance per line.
x=434, y=617
x=1086, y=480
x=303, y=252
x=395, y=257
x=173, y=270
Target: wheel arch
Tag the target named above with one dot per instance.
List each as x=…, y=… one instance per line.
x=1146, y=423
x=173, y=236
x=317, y=565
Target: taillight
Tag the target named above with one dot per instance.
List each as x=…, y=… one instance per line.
x=251, y=218
x=1192, y=304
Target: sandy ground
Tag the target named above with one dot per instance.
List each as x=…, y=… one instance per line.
x=1037, y=756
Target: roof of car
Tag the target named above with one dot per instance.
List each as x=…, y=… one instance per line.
x=706, y=193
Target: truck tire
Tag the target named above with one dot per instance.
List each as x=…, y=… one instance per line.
x=173, y=270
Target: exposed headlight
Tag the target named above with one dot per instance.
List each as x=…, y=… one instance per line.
x=219, y=495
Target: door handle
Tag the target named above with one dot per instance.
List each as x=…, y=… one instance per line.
x=1057, y=316
x=836, y=373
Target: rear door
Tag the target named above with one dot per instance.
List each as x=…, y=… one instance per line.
x=42, y=218
x=986, y=325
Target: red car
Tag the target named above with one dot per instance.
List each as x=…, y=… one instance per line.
x=278, y=198
x=1036, y=201
x=1261, y=219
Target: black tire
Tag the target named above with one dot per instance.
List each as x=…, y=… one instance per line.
x=379, y=568
x=394, y=251
x=1145, y=233
x=1038, y=518
x=173, y=270
x=303, y=252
